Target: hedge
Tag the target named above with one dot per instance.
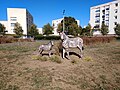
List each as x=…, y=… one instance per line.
x=40, y=37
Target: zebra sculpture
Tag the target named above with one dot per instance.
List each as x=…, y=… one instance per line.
x=68, y=43
x=46, y=47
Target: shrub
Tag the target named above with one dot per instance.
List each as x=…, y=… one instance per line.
x=93, y=40
x=39, y=58
x=11, y=40
x=88, y=58
x=40, y=37
x=55, y=58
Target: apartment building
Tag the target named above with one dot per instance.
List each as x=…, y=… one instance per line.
x=20, y=15
x=108, y=13
x=56, y=22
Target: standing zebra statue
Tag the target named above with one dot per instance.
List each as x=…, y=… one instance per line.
x=46, y=47
x=68, y=43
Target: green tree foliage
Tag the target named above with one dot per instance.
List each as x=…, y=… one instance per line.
x=104, y=29
x=18, y=29
x=79, y=30
x=117, y=29
x=71, y=26
x=87, y=31
x=47, y=29
x=60, y=27
x=73, y=29
x=33, y=31
x=2, y=29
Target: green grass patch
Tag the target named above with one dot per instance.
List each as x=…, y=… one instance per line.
x=88, y=58
x=56, y=59
x=41, y=58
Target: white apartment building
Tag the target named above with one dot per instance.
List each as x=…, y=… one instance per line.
x=40, y=30
x=56, y=22
x=108, y=13
x=20, y=15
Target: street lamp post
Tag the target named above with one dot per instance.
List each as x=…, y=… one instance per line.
x=63, y=21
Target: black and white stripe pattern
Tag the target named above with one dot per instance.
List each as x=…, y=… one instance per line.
x=46, y=47
x=68, y=43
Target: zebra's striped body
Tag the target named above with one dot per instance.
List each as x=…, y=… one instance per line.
x=68, y=43
x=46, y=47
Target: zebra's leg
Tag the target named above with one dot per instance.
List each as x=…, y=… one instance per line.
x=68, y=54
x=50, y=53
x=63, y=53
x=80, y=49
x=40, y=51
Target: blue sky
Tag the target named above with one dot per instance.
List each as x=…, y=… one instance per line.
x=44, y=11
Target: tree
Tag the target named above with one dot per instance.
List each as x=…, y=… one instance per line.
x=117, y=29
x=79, y=30
x=104, y=29
x=33, y=31
x=73, y=29
x=18, y=29
x=60, y=27
x=71, y=26
x=88, y=30
x=47, y=29
x=2, y=29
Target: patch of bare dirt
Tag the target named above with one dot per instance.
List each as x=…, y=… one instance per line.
x=99, y=69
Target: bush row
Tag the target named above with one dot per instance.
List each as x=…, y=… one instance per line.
x=87, y=40
x=11, y=40
x=93, y=40
x=118, y=38
x=40, y=37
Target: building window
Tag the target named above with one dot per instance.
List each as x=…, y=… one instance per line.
x=97, y=15
x=97, y=10
x=107, y=8
x=97, y=21
x=103, y=21
x=116, y=4
x=116, y=10
x=107, y=14
x=115, y=17
x=103, y=16
x=13, y=18
x=12, y=24
x=97, y=26
x=115, y=23
x=107, y=20
x=103, y=11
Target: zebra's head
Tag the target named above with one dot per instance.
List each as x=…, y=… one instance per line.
x=63, y=36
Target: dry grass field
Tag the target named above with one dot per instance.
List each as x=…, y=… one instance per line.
x=21, y=68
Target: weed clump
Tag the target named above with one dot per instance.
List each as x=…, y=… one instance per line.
x=88, y=58
x=44, y=58
x=56, y=59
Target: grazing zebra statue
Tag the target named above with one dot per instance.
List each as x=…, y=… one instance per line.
x=46, y=47
x=68, y=43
